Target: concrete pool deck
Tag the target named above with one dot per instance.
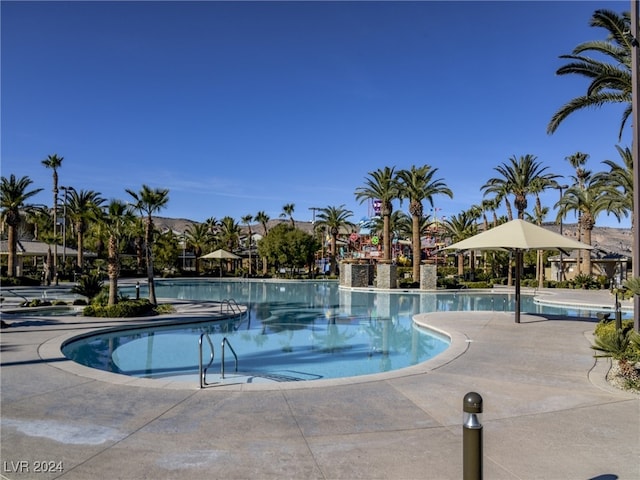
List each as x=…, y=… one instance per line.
x=548, y=411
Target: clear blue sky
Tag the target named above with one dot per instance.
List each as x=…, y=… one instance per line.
x=237, y=107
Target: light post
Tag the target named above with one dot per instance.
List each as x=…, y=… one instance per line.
x=64, y=228
x=184, y=251
x=561, y=273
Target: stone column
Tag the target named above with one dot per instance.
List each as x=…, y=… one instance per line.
x=355, y=275
x=387, y=275
x=428, y=277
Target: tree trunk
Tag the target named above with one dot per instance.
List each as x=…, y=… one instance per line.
x=13, y=247
x=113, y=270
x=149, y=253
x=415, y=220
x=333, y=254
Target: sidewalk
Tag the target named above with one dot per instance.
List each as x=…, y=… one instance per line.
x=548, y=413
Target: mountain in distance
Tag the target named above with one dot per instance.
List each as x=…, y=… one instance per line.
x=609, y=239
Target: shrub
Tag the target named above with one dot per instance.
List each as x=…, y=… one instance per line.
x=623, y=345
x=36, y=302
x=89, y=285
x=476, y=284
x=19, y=282
x=127, y=308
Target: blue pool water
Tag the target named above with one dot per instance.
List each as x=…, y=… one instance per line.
x=293, y=330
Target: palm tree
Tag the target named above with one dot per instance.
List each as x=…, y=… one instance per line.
x=499, y=187
x=334, y=219
x=212, y=225
x=247, y=219
x=539, y=213
x=520, y=177
x=229, y=233
x=578, y=160
x=198, y=236
x=381, y=185
x=287, y=211
x=417, y=184
x=618, y=181
x=589, y=201
x=82, y=207
x=459, y=227
x=13, y=200
x=116, y=219
x=54, y=162
x=149, y=201
x=610, y=81
x=263, y=219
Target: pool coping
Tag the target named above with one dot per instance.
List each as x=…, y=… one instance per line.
x=50, y=352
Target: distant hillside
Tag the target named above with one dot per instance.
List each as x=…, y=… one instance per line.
x=614, y=240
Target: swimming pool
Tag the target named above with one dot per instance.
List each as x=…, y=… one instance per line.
x=293, y=330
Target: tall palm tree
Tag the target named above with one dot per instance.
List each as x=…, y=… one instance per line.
x=198, y=237
x=287, y=212
x=610, y=80
x=13, y=199
x=521, y=176
x=589, y=201
x=263, y=219
x=247, y=219
x=116, y=220
x=499, y=188
x=82, y=207
x=229, y=233
x=54, y=162
x=539, y=213
x=417, y=184
x=578, y=160
x=212, y=224
x=459, y=227
x=149, y=201
x=618, y=182
x=381, y=185
x=334, y=219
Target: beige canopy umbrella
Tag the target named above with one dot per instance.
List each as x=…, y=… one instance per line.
x=518, y=235
x=220, y=254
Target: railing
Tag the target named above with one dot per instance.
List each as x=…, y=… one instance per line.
x=202, y=370
x=226, y=342
x=230, y=305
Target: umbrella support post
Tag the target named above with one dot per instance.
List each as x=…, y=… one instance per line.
x=518, y=270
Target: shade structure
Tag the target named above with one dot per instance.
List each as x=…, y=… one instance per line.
x=518, y=235
x=220, y=254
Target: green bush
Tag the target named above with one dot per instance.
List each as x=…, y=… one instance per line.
x=476, y=284
x=127, y=308
x=607, y=327
x=89, y=285
x=36, y=302
x=19, y=282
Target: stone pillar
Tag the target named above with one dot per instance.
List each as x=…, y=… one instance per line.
x=387, y=275
x=355, y=275
x=428, y=277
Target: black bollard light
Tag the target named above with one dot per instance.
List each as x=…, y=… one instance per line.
x=472, y=437
x=137, y=290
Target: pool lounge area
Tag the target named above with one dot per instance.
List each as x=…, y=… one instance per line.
x=548, y=413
